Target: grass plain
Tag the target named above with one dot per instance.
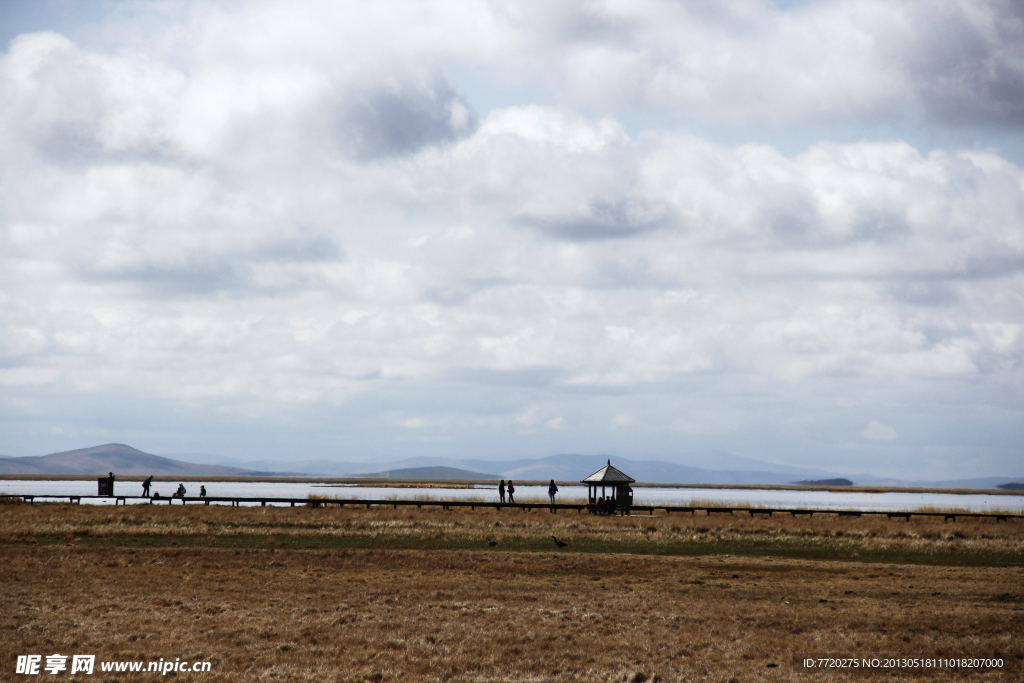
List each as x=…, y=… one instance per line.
x=329, y=594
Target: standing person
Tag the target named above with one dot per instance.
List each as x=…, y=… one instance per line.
x=501, y=490
x=552, y=490
x=146, y=484
x=511, y=492
x=202, y=491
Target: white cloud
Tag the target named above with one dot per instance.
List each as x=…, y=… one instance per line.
x=265, y=208
x=876, y=431
x=528, y=417
x=740, y=62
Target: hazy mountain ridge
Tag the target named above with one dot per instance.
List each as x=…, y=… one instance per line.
x=702, y=467
x=114, y=457
x=727, y=469
x=432, y=473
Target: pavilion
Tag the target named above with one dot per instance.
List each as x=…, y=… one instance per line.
x=618, y=482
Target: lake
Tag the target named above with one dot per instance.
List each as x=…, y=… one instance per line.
x=824, y=500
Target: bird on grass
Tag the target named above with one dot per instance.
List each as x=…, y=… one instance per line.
x=491, y=543
x=559, y=544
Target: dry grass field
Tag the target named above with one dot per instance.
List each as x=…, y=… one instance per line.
x=302, y=594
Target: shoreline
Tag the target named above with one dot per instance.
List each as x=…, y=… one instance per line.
x=454, y=483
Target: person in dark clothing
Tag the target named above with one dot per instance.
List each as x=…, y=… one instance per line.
x=146, y=484
x=501, y=491
x=552, y=490
x=511, y=492
x=202, y=491
x=180, y=493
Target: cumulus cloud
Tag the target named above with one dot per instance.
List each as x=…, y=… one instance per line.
x=74, y=106
x=601, y=220
x=970, y=63
x=876, y=431
x=308, y=212
x=948, y=62
x=402, y=119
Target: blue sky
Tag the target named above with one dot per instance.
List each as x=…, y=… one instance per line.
x=369, y=231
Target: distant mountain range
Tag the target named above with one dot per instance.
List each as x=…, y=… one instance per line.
x=117, y=458
x=702, y=467
x=431, y=473
x=707, y=467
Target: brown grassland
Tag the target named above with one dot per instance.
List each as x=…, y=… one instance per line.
x=329, y=594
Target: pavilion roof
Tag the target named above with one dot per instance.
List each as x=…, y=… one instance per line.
x=608, y=475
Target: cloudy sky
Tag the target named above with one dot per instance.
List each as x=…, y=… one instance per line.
x=367, y=231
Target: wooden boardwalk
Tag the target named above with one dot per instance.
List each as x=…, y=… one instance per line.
x=527, y=507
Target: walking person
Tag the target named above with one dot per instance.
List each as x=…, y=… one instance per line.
x=501, y=491
x=146, y=484
x=552, y=490
x=511, y=492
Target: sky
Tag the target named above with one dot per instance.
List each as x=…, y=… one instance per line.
x=370, y=231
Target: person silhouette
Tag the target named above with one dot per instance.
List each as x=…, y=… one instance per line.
x=511, y=492
x=146, y=484
x=552, y=490
x=501, y=491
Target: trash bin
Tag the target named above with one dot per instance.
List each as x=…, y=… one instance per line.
x=105, y=486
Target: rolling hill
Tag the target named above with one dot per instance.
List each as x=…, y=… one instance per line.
x=117, y=458
x=431, y=473
x=701, y=467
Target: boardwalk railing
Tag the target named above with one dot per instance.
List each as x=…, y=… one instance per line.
x=528, y=506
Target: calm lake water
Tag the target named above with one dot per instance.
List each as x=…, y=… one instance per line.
x=824, y=500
